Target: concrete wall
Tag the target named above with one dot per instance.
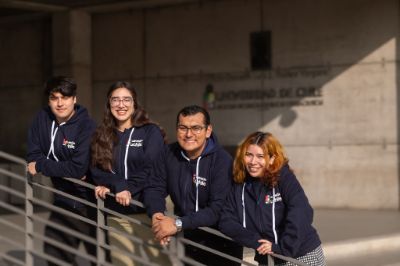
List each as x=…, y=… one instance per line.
x=24, y=62
x=330, y=97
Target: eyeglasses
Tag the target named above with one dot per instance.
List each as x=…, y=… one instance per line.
x=126, y=101
x=194, y=129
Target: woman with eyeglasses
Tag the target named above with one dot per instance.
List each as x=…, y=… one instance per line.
x=123, y=149
x=267, y=209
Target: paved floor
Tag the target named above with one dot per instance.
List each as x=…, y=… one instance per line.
x=357, y=237
x=350, y=237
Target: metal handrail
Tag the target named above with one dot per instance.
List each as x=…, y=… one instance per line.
x=174, y=249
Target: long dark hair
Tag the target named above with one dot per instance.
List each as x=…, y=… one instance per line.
x=105, y=137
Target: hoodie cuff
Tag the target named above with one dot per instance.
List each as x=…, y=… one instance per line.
x=276, y=249
x=255, y=244
x=38, y=166
x=120, y=186
x=155, y=209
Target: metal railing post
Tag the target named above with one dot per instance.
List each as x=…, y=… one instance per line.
x=180, y=248
x=271, y=261
x=28, y=221
x=101, y=235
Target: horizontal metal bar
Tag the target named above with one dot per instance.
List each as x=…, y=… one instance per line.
x=62, y=193
x=12, y=225
x=64, y=247
x=12, y=191
x=126, y=217
x=13, y=175
x=12, y=259
x=292, y=260
x=84, y=184
x=134, y=257
x=213, y=251
x=50, y=258
x=191, y=261
x=65, y=229
x=62, y=211
x=214, y=232
x=12, y=208
x=12, y=242
x=87, y=185
x=9, y=156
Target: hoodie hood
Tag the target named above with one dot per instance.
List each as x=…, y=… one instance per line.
x=212, y=146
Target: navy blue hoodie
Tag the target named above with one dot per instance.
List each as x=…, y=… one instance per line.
x=293, y=215
x=145, y=144
x=174, y=174
x=71, y=151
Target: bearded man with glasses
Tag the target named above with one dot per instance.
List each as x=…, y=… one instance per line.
x=197, y=174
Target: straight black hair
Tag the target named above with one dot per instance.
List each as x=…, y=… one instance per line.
x=192, y=110
x=64, y=85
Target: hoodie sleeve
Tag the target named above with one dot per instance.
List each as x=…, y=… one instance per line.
x=231, y=225
x=153, y=145
x=156, y=185
x=79, y=163
x=112, y=181
x=298, y=218
x=221, y=183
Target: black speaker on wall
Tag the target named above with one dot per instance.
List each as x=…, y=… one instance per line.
x=260, y=50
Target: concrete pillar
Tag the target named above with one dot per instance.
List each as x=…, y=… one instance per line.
x=72, y=51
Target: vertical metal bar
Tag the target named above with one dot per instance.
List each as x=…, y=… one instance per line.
x=28, y=221
x=101, y=235
x=271, y=261
x=180, y=248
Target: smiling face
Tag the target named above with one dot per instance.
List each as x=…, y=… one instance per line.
x=62, y=106
x=192, y=134
x=121, y=105
x=256, y=162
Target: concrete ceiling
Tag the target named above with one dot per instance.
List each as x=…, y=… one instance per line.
x=23, y=7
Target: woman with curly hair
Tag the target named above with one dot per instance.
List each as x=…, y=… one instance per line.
x=123, y=150
x=267, y=209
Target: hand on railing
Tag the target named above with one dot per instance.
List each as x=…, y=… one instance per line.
x=31, y=168
x=123, y=198
x=163, y=228
x=101, y=192
x=265, y=248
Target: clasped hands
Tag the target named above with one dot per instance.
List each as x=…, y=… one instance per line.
x=123, y=197
x=163, y=228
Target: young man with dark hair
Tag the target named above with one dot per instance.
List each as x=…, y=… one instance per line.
x=59, y=146
x=197, y=174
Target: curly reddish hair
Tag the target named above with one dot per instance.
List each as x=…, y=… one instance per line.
x=271, y=147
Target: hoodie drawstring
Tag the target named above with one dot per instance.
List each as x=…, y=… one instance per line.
x=244, y=206
x=197, y=183
x=273, y=212
x=196, y=178
x=126, y=153
x=273, y=216
x=53, y=137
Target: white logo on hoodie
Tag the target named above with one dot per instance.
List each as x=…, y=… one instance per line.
x=202, y=181
x=136, y=143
